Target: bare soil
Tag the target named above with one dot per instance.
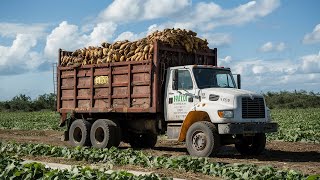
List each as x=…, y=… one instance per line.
x=304, y=157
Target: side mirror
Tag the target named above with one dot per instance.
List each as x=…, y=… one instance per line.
x=239, y=81
x=175, y=79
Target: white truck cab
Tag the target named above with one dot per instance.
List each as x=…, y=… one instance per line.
x=205, y=108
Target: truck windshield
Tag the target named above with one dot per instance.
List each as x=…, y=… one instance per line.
x=209, y=78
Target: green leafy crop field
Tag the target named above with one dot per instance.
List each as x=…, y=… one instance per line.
x=115, y=156
x=294, y=124
x=297, y=125
x=40, y=120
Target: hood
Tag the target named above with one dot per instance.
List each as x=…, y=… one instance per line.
x=227, y=96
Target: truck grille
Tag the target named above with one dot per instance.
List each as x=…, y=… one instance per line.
x=253, y=108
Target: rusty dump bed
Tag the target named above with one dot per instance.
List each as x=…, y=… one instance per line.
x=128, y=86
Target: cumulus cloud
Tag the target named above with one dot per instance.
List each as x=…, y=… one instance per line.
x=217, y=39
x=206, y=16
x=313, y=37
x=269, y=46
x=19, y=57
x=68, y=36
x=225, y=61
x=311, y=63
x=277, y=74
x=101, y=32
x=126, y=10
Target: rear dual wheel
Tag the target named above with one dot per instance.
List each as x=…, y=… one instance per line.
x=79, y=133
x=105, y=134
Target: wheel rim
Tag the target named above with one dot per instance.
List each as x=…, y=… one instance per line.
x=99, y=135
x=199, y=140
x=77, y=134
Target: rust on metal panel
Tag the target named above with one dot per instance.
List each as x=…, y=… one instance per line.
x=155, y=76
x=91, y=87
x=75, y=88
x=110, y=87
x=59, y=82
x=129, y=86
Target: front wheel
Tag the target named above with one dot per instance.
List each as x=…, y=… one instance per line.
x=251, y=145
x=202, y=139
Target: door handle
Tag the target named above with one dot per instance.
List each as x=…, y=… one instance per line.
x=171, y=93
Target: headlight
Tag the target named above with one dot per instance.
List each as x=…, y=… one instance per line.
x=225, y=114
x=269, y=114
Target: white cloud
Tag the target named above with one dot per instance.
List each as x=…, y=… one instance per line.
x=217, y=39
x=12, y=29
x=130, y=36
x=201, y=15
x=69, y=37
x=126, y=10
x=275, y=75
x=313, y=37
x=311, y=63
x=19, y=57
x=65, y=36
x=269, y=46
x=206, y=16
x=101, y=32
x=163, y=8
x=225, y=61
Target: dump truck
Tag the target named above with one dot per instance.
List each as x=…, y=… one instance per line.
x=184, y=95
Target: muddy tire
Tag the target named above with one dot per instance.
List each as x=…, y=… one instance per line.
x=202, y=139
x=104, y=134
x=251, y=145
x=145, y=140
x=79, y=133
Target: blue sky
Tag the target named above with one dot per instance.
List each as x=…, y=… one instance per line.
x=274, y=44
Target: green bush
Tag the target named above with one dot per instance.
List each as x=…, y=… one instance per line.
x=292, y=100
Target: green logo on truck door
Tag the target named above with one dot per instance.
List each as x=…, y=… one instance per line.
x=180, y=98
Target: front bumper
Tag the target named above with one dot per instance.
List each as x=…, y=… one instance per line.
x=247, y=128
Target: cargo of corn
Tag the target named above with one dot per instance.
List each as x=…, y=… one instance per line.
x=137, y=50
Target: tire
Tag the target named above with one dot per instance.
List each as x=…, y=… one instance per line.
x=79, y=133
x=104, y=134
x=145, y=140
x=202, y=139
x=253, y=145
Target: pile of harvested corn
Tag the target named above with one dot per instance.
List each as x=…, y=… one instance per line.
x=135, y=51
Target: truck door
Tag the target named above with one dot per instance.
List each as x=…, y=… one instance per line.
x=180, y=95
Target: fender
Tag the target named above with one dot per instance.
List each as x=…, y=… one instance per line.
x=192, y=117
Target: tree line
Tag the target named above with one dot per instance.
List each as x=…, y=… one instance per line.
x=292, y=100
x=23, y=102
x=274, y=100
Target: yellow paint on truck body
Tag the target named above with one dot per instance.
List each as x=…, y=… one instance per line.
x=192, y=117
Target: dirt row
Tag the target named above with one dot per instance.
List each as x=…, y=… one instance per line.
x=304, y=157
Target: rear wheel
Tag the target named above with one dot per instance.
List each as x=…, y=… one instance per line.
x=79, y=133
x=251, y=145
x=202, y=139
x=145, y=140
x=105, y=134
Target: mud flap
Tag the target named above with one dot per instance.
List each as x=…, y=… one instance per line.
x=65, y=136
